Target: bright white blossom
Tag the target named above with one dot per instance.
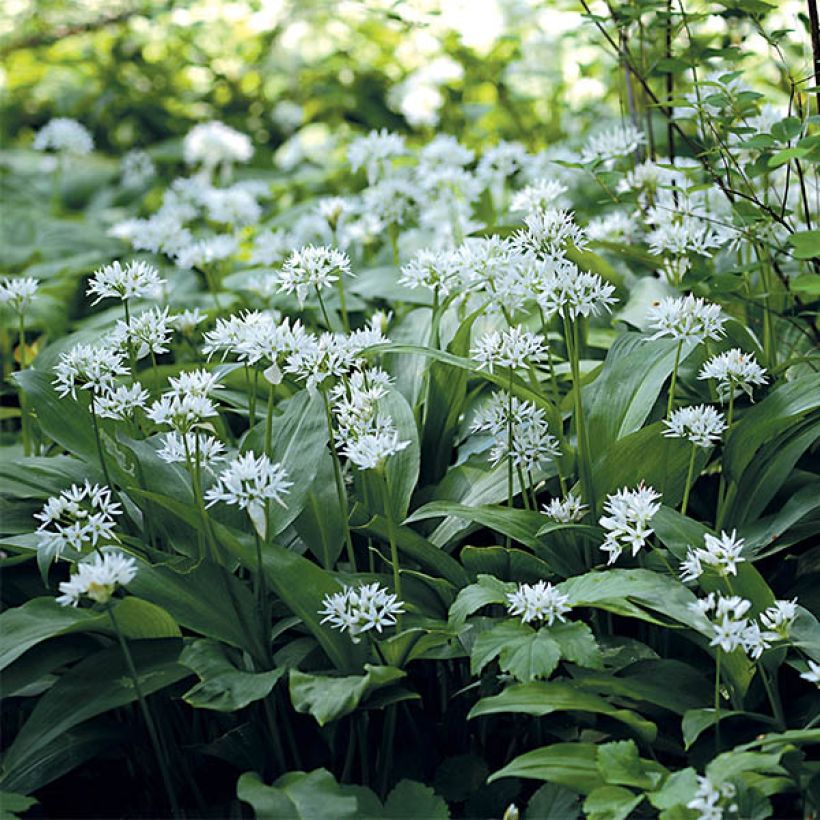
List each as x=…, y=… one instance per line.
x=440, y=271
x=686, y=319
x=64, y=135
x=89, y=368
x=213, y=143
x=148, y=333
x=205, y=252
x=812, y=674
x=375, y=153
x=182, y=412
x=734, y=370
x=121, y=402
x=540, y=196
x=137, y=280
x=18, y=292
x=538, y=602
x=548, y=232
x=710, y=801
x=356, y=610
x=188, y=448
x=312, y=267
x=559, y=286
x=565, y=511
x=627, y=519
x=515, y=348
x=722, y=553
x=80, y=517
x=620, y=141
x=701, y=424
x=98, y=578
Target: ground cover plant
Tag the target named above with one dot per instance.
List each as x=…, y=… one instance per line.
x=417, y=458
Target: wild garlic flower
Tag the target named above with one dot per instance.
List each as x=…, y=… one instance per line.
x=188, y=321
x=199, y=382
x=98, y=578
x=444, y=150
x=621, y=141
x=701, y=424
x=205, y=252
x=734, y=370
x=392, y=201
x=360, y=609
x=250, y=482
x=354, y=400
x=538, y=602
x=213, y=143
x=137, y=168
x=723, y=554
x=369, y=445
x=137, y=280
x=18, y=293
x=542, y=195
x=627, y=519
x=332, y=209
x=64, y=135
x=548, y=233
x=812, y=674
x=614, y=227
x=241, y=335
x=232, y=206
x=122, y=401
x=270, y=247
x=183, y=449
x=519, y=430
x=710, y=801
x=163, y=232
x=729, y=626
x=681, y=234
x=80, y=517
x=560, y=286
x=147, y=333
x=780, y=616
x=311, y=267
x=182, y=412
x=88, y=367
x=568, y=510
x=686, y=319
x=439, y=271
x=501, y=162
x=375, y=153
x=515, y=348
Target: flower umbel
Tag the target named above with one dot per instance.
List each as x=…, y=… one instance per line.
x=356, y=610
x=98, y=578
x=538, y=602
x=627, y=519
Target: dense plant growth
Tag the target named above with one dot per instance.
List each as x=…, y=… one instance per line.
x=417, y=477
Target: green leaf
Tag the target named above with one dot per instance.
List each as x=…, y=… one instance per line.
x=611, y=803
x=12, y=804
x=97, y=684
x=577, y=643
x=521, y=651
x=488, y=590
x=677, y=789
x=222, y=686
x=320, y=524
x=696, y=721
x=298, y=796
x=573, y=765
x=328, y=698
x=508, y=564
x=545, y=697
x=621, y=765
x=141, y=619
x=787, y=155
x=553, y=802
x=413, y=800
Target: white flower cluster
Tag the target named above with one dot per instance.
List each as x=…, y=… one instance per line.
x=519, y=430
x=710, y=801
x=148, y=333
x=64, y=135
x=686, y=319
x=122, y=401
x=81, y=517
x=731, y=629
x=137, y=280
x=98, y=578
x=548, y=233
x=18, y=292
x=733, y=370
x=568, y=510
x=375, y=153
x=357, y=610
x=88, y=367
x=627, y=519
x=538, y=602
x=514, y=348
x=311, y=267
x=192, y=447
x=722, y=553
x=812, y=674
x=213, y=143
x=137, y=168
x=608, y=146
x=542, y=195
x=701, y=424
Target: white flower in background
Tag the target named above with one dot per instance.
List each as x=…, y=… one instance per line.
x=270, y=247
x=519, y=430
x=559, y=286
x=439, y=271
x=538, y=602
x=236, y=332
x=64, y=135
x=187, y=321
x=332, y=209
x=88, y=367
x=501, y=162
x=137, y=280
x=147, y=333
x=700, y=424
x=392, y=201
x=613, y=227
x=213, y=143
x=679, y=235
x=515, y=348
x=627, y=519
x=136, y=168
x=182, y=412
x=160, y=233
x=722, y=553
x=780, y=616
x=122, y=401
x=250, y=482
x=812, y=674
x=734, y=370
x=444, y=150
x=183, y=449
x=548, y=233
x=232, y=206
x=204, y=252
x=542, y=195
x=356, y=610
x=287, y=115
x=312, y=267
x=80, y=517
x=18, y=293
x=98, y=578
x=686, y=319
x=565, y=511
x=620, y=141
x=709, y=799
x=375, y=153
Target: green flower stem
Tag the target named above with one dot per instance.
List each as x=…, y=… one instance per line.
x=674, y=381
x=509, y=451
x=100, y=453
x=584, y=462
x=269, y=423
x=132, y=362
x=774, y=700
x=322, y=307
x=340, y=485
x=146, y=715
x=717, y=699
x=269, y=707
x=391, y=536
x=340, y=287
x=524, y=486
x=688, y=486
x=24, y=417
x=723, y=496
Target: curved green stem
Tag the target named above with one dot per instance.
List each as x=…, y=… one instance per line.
x=688, y=486
x=673, y=383
x=391, y=536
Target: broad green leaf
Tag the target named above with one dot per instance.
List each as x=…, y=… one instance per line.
x=806, y=244
x=697, y=721
x=577, y=643
x=298, y=796
x=678, y=532
x=508, y=564
x=488, y=590
x=553, y=802
x=611, y=803
x=142, y=619
x=222, y=686
x=677, y=790
x=320, y=524
x=413, y=800
x=12, y=804
x=545, y=697
x=525, y=653
x=573, y=765
x=329, y=698
x=621, y=765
